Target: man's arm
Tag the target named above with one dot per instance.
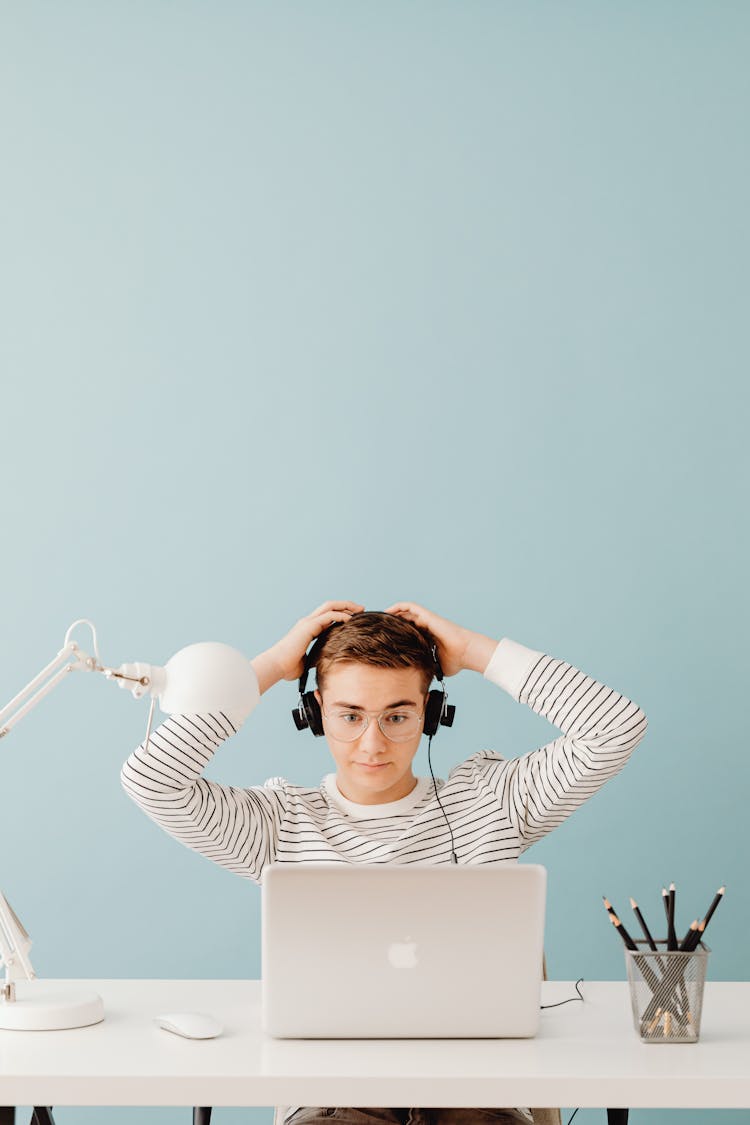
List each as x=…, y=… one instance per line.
x=601, y=728
x=236, y=828
x=267, y=670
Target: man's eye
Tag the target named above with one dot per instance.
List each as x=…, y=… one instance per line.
x=396, y=720
x=349, y=715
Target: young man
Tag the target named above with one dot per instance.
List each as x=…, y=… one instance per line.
x=373, y=676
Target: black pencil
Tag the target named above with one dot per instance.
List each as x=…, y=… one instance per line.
x=630, y=944
x=671, y=933
x=647, y=933
x=647, y=972
x=696, y=937
x=689, y=938
x=642, y=923
x=610, y=908
x=717, y=899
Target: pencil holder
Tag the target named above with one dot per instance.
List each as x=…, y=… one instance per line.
x=666, y=991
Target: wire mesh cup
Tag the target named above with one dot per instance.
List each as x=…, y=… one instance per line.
x=666, y=991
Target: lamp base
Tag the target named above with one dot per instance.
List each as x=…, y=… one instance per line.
x=42, y=1006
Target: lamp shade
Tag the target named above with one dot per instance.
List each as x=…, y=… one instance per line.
x=208, y=676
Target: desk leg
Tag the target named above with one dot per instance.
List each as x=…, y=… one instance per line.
x=202, y=1115
x=42, y=1115
x=617, y=1117
x=7, y=1114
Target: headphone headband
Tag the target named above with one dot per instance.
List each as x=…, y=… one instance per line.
x=311, y=657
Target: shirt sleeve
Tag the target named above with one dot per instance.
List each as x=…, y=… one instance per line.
x=236, y=828
x=601, y=728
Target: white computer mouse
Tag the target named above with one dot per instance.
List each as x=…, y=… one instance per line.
x=192, y=1025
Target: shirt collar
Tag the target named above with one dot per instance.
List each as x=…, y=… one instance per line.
x=374, y=812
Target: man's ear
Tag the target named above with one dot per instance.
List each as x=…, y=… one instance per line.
x=318, y=697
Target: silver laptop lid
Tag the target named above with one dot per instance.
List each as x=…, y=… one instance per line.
x=395, y=951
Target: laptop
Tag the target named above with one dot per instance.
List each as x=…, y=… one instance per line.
x=393, y=951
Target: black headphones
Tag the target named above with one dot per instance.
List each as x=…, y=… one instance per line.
x=307, y=713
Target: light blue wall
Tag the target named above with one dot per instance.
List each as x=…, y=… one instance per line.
x=432, y=301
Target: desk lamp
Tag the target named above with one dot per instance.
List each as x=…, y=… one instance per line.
x=43, y=1007
x=208, y=676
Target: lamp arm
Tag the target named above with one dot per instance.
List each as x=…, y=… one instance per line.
x=15, y=944
x=200, y=677
x=70, y=658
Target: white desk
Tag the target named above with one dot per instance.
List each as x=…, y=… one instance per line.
x=586, y=1054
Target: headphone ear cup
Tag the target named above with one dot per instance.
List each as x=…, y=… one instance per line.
x=313, y=713
x=432, y=713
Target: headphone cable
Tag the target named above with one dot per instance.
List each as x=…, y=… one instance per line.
x=434, y=784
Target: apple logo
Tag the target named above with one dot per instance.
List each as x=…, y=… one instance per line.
x=403, y=954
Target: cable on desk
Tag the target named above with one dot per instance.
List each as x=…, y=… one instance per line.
x=568, y=1001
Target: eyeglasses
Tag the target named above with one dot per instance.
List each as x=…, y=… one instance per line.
x=398, y=724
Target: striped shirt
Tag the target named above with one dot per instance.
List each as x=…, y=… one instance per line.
x=497, y=806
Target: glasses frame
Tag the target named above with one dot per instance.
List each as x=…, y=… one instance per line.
x=379, y=714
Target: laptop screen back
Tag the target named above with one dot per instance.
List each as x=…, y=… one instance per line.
x=417, y=951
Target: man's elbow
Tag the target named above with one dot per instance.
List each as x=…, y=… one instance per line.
x=629, y=731
x=129, y=779
x=637, y=726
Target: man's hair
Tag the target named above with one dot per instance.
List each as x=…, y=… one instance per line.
x=380, y=639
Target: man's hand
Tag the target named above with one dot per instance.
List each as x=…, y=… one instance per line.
x=458, y=648
x=285, y=659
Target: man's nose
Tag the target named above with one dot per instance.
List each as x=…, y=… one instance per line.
x=373, y=738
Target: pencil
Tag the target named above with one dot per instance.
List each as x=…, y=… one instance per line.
x=673, y=944
x=671, y=934
x=647, y=933
x=697, y=936
x=608, y=905
x=689, y=937
x=629, y=943
x=647, y=972
x=642, y=923
x=717, y=899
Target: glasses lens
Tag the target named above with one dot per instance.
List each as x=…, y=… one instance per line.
x=398, y=725
x=345, y=725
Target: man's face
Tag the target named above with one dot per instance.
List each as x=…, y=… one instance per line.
x=373, y=769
